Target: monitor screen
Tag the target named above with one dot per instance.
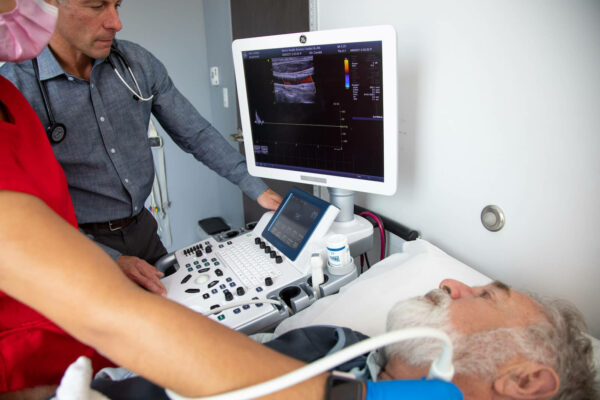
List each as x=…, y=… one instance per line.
x=320, y=107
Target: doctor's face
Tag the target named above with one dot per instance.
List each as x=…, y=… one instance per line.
x=86, y=27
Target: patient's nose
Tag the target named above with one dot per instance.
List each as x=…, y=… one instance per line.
x=456, y=289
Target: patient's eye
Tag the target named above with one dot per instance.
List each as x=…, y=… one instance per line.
x=485, y=294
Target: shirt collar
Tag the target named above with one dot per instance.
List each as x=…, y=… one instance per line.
x=49, y=66
x=375, y=362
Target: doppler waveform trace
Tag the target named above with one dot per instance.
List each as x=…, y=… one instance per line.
x=340, y=126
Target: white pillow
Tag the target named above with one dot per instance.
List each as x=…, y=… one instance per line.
x=363, y=304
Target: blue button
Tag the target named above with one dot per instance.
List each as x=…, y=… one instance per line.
x=213, y=259
x=228, y=279
x=232, y=284
x=214, y=291
x=188, y=265
x=259, y=289
x=245, y=306
x=222, y=286
x=205, y=296
x=221, y=246
x=204, y=260
x=237, y=311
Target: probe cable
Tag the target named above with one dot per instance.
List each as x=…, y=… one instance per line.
x=441, y=368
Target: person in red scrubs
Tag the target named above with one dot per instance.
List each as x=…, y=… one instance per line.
x=49, y=271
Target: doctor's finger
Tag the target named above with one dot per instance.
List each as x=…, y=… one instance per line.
x=144, y=275
x=147, y=269
x=151, y=283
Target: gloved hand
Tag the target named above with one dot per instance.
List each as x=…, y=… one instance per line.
x=424, y=389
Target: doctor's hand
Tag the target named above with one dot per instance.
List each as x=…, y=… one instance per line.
x=142, y=273
x=269, y=200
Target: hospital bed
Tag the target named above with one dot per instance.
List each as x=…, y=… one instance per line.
x=418, y=268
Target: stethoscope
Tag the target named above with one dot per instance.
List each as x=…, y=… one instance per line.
x=55, y=130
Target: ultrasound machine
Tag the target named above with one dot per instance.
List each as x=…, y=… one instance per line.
x=314, y=109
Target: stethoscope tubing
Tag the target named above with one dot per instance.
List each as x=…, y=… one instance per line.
x=55, y=130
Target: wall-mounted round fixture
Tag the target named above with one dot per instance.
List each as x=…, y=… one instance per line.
x=492, y=218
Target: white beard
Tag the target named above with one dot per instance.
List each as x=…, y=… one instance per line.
x=477, y=354
x=430, y=311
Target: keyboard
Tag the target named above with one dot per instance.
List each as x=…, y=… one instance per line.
x=251, y=263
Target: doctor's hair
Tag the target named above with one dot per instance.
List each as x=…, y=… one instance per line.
x=567, y=348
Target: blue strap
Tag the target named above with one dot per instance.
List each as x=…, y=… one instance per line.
x=424, y=389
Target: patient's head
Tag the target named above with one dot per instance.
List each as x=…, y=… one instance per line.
x=506, y=344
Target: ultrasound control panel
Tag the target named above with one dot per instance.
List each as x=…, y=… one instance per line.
x=271, y=263
x=213, y=274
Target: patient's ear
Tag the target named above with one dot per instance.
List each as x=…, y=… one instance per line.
x=527, y=380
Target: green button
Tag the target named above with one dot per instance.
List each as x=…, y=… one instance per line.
x=221, y=317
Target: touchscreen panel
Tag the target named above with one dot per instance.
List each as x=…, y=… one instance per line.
x=294, y=221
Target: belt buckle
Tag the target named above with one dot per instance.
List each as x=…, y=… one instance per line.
x=111, y=227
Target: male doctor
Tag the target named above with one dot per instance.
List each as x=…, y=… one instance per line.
x=105, y=110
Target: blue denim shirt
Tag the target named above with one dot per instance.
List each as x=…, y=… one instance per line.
x=106, y=154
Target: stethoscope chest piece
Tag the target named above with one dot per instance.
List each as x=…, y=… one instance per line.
x=56, y=132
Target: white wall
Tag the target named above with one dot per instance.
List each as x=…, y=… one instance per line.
x=175, y=33
x=499, y=104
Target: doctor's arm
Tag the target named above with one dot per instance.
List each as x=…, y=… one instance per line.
x=53, y=268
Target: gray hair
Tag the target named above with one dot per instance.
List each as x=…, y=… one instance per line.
x=560, y=343
x=566, y=348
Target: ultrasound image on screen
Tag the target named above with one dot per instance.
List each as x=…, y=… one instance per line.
x=318, y=108
x=292, y=81
x=294, y=221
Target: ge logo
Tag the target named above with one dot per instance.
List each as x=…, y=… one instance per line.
x=302, y=39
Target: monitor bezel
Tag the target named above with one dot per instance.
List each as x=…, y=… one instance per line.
x=384, y=33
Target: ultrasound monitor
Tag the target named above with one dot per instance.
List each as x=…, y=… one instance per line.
x=321, y=108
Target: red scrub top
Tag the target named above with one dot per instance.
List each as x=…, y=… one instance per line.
x=33, y=350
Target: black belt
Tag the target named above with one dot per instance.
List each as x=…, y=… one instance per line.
x=113, y=225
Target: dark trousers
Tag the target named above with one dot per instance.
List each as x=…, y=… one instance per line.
x=139, y=238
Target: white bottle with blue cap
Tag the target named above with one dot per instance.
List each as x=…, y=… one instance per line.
x=339, y=261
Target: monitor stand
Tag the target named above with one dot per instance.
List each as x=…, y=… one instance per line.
x=357, y=229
